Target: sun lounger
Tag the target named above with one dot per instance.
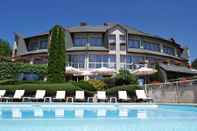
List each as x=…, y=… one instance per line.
x=79, y=96
x=2, y=94
x=122, y=96
x=101, y=96
x=141, y=95
x=40, y=94
x=60, y=95
x=18, y=95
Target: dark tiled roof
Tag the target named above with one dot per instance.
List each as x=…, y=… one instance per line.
x=180, y=69
x=88, y=28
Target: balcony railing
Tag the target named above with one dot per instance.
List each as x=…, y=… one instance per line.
x=93, y=65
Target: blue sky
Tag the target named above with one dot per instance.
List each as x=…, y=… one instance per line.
x=166, y=18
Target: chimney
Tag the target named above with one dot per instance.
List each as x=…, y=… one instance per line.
x=83, y=24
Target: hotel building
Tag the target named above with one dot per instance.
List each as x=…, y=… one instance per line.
x=114, y=46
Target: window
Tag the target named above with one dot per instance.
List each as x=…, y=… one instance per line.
x=112, y=58
x=112, y=46
x=133, y=43
x=151, y=46
x=123, y=58
x=97, y=61
x=122, y=46
x=129, y=59
x=77, y=61
x=153, y=59
x=112, y=37
x=122, y=37
x=137, y=59
x=37, y=45
x=80, y=41
x=95, y=41
x=91, y=39
x=43, y=44
x=33, y=46
x=169, y=50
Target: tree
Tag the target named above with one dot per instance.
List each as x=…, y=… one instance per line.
x=5, y=49
x=124, y=77
x=194, y=63
x=56, y=59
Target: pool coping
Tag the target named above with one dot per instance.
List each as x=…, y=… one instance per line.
x=86, y=103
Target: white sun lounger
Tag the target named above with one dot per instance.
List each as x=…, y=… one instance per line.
x=122, y=96
x=142, y=95
x=80, y=95
x=60, y=95
x=18, y=94
x=2, y=94
x=101, y=95
x=40, y=94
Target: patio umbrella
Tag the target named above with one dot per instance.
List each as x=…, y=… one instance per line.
x=144, y=71
x=85, y=73
x=72, y=70
x=104, y=71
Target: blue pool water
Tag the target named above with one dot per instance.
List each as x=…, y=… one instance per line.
x=97, y=117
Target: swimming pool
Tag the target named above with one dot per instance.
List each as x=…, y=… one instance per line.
x=97, y=117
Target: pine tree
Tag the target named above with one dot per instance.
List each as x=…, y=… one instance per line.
x=56, y=59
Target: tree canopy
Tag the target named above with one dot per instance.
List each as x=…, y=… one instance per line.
x=5, y=49
x=56, y=59
x=124, y=77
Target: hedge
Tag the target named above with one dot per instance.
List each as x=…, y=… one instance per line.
x=30, y=89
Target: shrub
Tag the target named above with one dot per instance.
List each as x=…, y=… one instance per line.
x=85, y=85
x=7, y=70
x=56, y=60
x=98, y=84
x=124, y=77
x=129, y=88
x=40, y=69
x=110, y=82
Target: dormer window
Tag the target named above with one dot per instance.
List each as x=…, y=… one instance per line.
x=37, y=45
x=88, y=39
